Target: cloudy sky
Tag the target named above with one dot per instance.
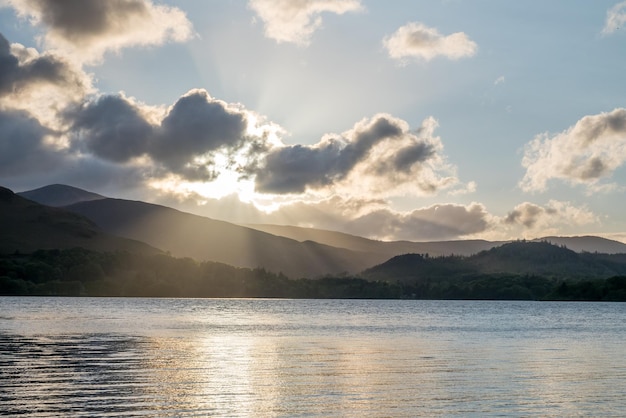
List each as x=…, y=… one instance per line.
x=418, y=120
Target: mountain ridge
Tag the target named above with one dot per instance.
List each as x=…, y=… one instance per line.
x=295, y=251
x=58, y=195
x=187, y=235
x=535, y=258
x=26, y=226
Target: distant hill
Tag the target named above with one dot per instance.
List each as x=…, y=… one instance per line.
x=26, y=226
x=187, y=235
x=296, y=251
x=541, y=258
x=588, y=244
x=59, y=195
x=515, y=258
x=388, y=248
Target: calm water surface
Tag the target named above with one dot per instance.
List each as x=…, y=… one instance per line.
x=224, y=357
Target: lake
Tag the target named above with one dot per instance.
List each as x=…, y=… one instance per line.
x=250, y=357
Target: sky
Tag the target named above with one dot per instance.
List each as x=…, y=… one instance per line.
x=404, y=120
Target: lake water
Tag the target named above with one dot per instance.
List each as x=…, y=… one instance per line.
x=224, y=357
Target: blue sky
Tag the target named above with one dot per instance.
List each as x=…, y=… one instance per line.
x=419, y=120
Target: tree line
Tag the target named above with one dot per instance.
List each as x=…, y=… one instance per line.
x=81, y=272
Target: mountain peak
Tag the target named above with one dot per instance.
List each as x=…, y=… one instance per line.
x=60, y=195
x=6, y=194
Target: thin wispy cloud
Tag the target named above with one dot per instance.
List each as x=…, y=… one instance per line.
x=615, y=18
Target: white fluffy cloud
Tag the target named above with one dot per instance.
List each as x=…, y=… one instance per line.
x=585, y=154
x=295, y=21
x=416, y=40
x=615, y=18
x=534, y=220
x=86, y=29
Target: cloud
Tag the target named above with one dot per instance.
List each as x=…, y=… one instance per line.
x=295, y=21
x=291, y=169
x=23, y=147
x=367, y=217
x=86, y=29
x=416, y=40
x=198, y=124
x=38, y=83
x=377, y=156
x=584, y=154
x=538, y=220
x=111, y=127
x=615, y=18
x=118, y=129
x=437, y=222
x=22, y=69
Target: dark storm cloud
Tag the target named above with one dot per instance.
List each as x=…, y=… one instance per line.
x=16, y=76
x=293, y=169
x=111, y=128
x=22, y=147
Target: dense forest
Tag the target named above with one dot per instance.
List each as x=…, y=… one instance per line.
x=81, y=272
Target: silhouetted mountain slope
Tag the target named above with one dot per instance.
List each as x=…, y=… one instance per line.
x=59, y=195
x=409, y=267
x=588, y=244
x=388, y=248
x=538, y=257
x=26, y=226
x=515, y=258
x=187, y=235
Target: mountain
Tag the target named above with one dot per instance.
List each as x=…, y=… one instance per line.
x=388, y=248
x=539, y=258
x=59, y=195
x=296, y=251
x=588, y=244
x=26, y=226
x=187, y=235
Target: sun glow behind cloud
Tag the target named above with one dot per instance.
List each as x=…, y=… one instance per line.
x=227, y=182
x=204, y=143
